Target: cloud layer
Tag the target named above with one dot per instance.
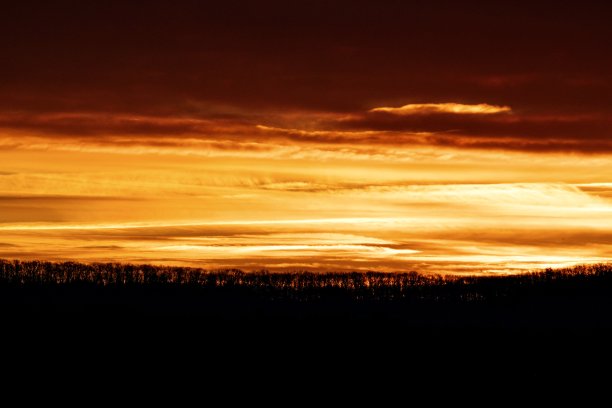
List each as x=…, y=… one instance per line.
x=218, y=71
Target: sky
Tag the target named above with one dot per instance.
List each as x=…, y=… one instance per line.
x=434, y=136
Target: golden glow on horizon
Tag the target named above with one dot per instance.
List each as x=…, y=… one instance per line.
x=338, y=201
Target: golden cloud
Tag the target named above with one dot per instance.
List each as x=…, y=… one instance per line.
x=453, y=108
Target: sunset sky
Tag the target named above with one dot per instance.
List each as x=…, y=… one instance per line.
x=436, y=136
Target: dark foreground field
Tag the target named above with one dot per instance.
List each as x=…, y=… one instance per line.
x=579, y=297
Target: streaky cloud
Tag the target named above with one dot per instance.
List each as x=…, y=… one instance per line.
x=453, y=108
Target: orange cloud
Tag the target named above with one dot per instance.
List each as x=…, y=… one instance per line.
x=300, y=133
x=454, y=108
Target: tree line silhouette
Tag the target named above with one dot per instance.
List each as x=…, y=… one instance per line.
x=578, y=296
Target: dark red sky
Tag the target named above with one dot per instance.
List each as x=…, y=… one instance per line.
x=236, y=61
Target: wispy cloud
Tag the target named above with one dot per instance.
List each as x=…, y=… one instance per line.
x=453, y=108
x=359, y=134
x=78, y=123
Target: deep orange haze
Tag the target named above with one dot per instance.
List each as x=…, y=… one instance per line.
x=430, y=136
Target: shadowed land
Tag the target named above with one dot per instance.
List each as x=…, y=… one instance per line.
x=578, y=297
